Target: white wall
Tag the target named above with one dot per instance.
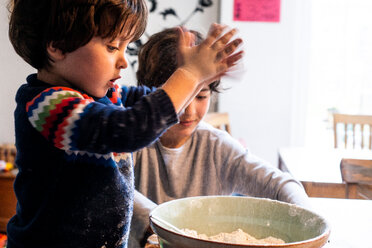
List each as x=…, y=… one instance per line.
x=13, y=72
x=264, y=104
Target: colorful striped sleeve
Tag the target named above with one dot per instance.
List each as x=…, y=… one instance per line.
x=73, y=121
x=54, y=113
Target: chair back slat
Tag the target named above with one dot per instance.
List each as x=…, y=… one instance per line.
x=350, y=124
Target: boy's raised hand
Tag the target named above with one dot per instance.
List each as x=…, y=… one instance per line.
x=213, y=57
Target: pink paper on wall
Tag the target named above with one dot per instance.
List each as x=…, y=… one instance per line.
x=257, y=10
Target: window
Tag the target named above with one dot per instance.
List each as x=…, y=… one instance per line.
x=340, y=75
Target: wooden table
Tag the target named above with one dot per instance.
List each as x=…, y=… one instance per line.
x=350, y=221
x=319, y=169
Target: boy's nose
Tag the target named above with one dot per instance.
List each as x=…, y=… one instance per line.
x=190, y=109
x=122, y=61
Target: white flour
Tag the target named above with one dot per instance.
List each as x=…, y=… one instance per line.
x=235, y=237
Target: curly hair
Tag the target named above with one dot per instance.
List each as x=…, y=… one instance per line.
x=70, y=24
x=157, y=58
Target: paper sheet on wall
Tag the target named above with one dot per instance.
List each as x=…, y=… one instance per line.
x=257, y=10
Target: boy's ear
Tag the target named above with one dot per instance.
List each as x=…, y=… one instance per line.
x=55, y=53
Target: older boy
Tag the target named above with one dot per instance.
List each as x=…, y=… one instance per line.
x=192, y=158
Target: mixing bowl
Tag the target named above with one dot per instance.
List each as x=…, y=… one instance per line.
x=210, y=215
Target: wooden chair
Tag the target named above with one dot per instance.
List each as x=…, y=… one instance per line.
x=352, y=120
x=357, y=174
x=218, y=120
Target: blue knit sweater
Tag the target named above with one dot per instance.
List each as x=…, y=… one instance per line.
x=75, y=184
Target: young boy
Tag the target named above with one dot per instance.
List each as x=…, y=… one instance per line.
x=75, y=184
x=192, y=158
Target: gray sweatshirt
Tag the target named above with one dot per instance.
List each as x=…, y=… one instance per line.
x=211, y=162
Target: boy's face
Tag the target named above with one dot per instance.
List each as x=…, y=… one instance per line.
x=93, y=67
x=178, y=134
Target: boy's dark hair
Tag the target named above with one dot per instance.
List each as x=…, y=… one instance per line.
x=157, y=58
x=70, y=24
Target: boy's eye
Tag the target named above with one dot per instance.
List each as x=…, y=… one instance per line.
x=112, y=48
x=201, y=97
